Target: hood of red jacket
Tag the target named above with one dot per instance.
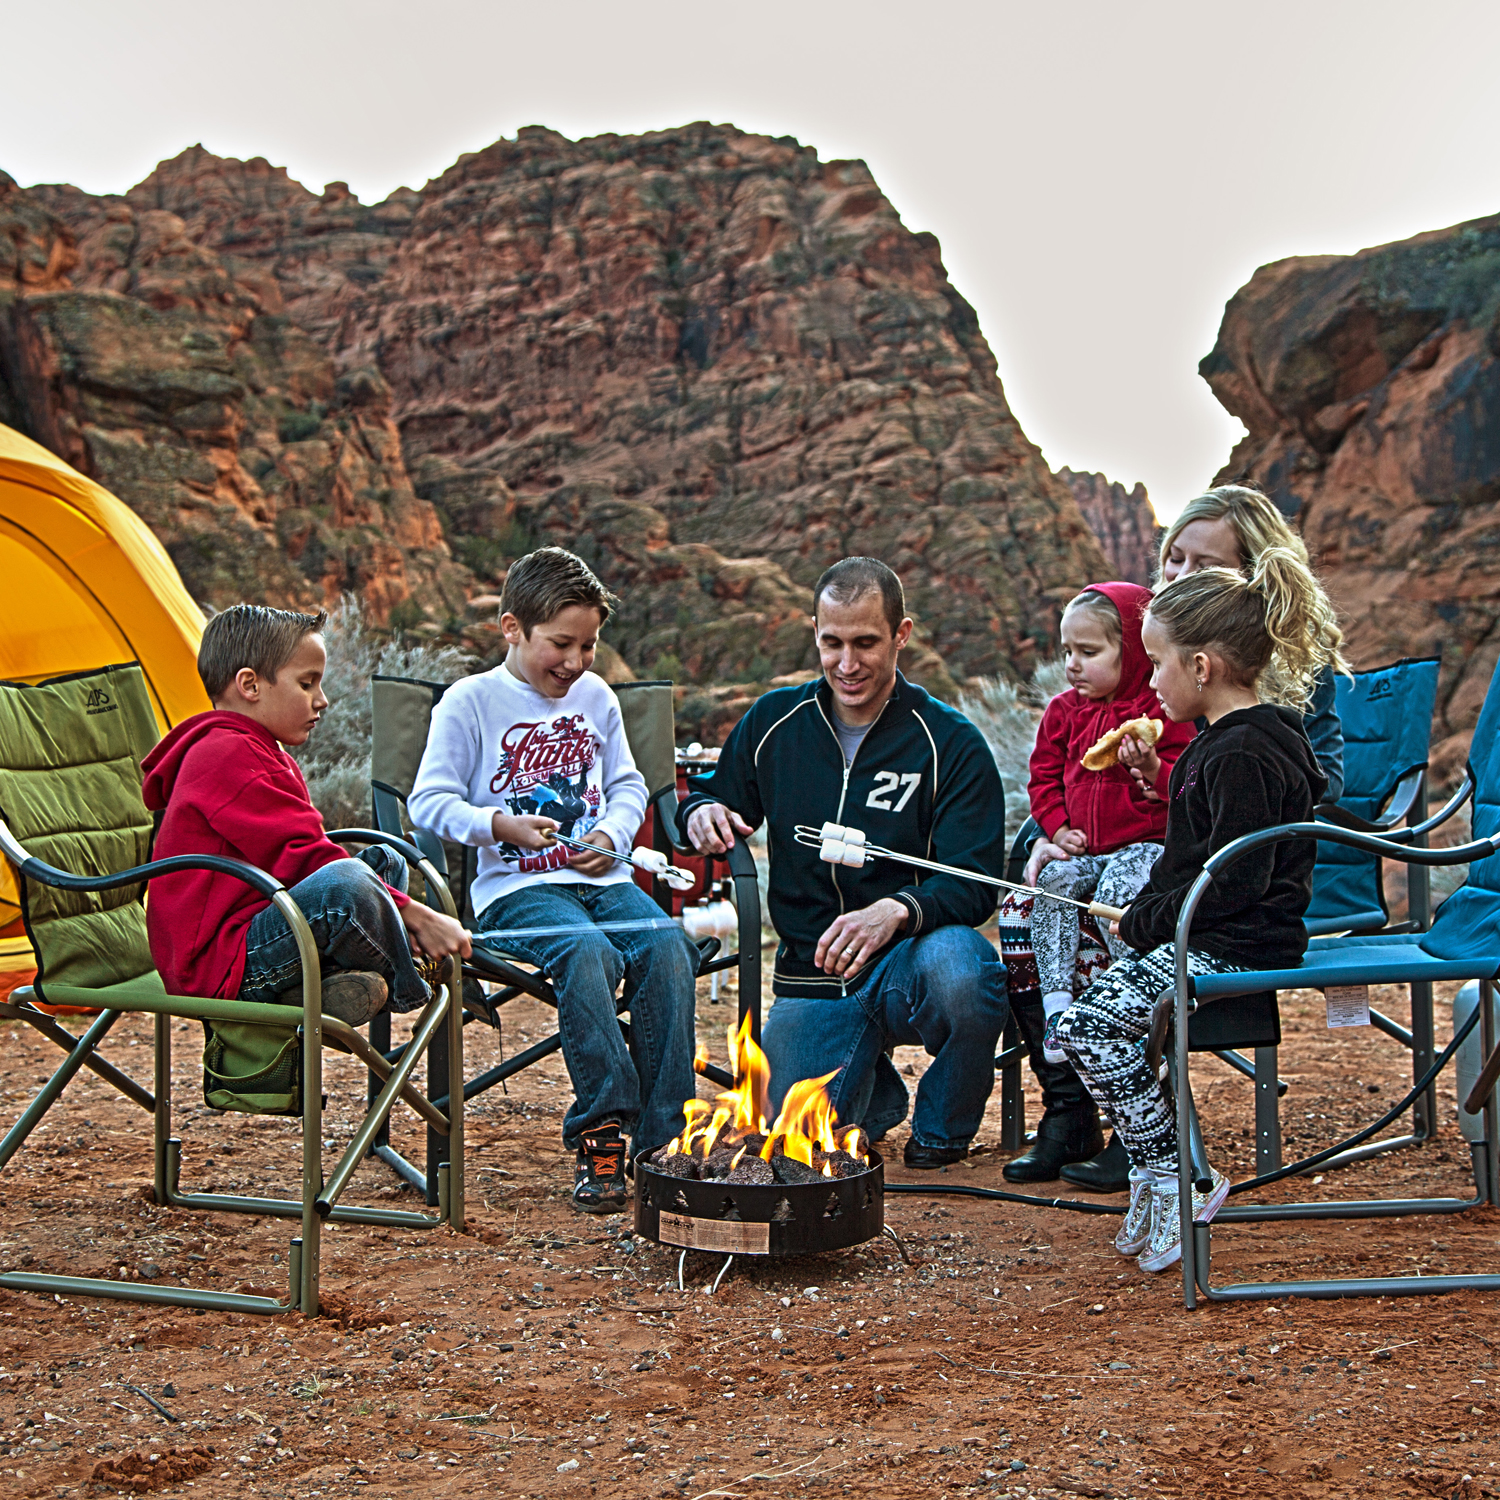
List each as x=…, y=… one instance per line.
x=1135, y=666
x=162, y=765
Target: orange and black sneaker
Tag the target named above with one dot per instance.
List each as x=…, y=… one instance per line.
x=599, y=1177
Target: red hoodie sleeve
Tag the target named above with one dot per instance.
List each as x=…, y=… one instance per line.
x=264, y=812
x=1049, y=760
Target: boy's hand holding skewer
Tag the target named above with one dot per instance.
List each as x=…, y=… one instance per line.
x=524, y=830
x=593, y=864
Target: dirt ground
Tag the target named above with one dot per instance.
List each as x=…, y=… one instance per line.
x=547, y=1353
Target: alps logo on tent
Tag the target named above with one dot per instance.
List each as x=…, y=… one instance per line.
x=98, y=702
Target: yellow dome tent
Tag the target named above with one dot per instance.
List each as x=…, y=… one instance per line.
x=85, y=583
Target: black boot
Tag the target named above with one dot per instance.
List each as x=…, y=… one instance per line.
x=1109, y=1172
x=1069, y=1130
x=1060, y=1138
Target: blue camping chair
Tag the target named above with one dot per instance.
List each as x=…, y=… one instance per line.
x=1462, y=944
x=1386, y=716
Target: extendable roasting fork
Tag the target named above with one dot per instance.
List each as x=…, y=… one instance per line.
x=847, y=846
x=653, y=861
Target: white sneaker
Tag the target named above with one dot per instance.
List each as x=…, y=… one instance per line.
x=1164, y=1248
x=1136, y=1230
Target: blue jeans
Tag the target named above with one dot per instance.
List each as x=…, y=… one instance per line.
x=944, y=991
x=355, y=924
x=643, y=1086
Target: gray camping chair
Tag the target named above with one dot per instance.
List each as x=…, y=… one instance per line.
x=402, y=712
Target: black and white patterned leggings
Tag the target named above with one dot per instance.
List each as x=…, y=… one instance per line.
x=1115, y=879
x=1104, y=1034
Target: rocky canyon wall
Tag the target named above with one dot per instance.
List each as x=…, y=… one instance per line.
x=708, y=360
x=1370, y=385
x=1122, y=520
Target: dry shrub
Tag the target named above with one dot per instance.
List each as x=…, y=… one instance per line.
x=1007, y=717
x=336, y=758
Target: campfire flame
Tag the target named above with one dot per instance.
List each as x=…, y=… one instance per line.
x=807, y=1121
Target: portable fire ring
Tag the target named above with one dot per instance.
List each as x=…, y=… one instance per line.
x=775, y=1219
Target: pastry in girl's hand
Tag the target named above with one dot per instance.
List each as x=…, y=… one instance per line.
x=1106, y=751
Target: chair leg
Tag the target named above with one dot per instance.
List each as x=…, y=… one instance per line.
x=162, y=1113
x=312, y=1168
x=1267, y=1112
x=455, y=1034
x=1491, y=1107
x=32, y=1116
x=439, y=1086
x=1012, y=1095
x=1424, y=1116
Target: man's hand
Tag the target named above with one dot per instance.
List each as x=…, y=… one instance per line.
x=524, y=830
x=857, y=936
x=1043, y=852
x=433, y=933
x=593, y=864
x=711, y=828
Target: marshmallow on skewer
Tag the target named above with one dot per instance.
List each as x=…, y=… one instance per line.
x=654, y=862
x=843, y=846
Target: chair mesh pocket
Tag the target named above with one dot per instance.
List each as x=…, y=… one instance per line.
x=254, y=1070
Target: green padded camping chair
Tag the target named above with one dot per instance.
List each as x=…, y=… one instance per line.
x=73, y=825
x=402, y=714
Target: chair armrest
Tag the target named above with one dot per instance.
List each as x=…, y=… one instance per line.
x=409, y=852
x=1403, y=798
x=1020, y=850
x=1466, y=790
x=65, y=880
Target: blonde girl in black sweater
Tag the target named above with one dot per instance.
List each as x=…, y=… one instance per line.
x=1211, y=636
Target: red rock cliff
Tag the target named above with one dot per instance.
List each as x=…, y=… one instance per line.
x=1122, y=519
x=705, y=359
x=1370, y=385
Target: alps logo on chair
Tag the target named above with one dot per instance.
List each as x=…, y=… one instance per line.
x=1380, y=688
x=99, y=702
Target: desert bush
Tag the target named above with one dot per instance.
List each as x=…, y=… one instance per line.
x=999, y=710
x=336, y=758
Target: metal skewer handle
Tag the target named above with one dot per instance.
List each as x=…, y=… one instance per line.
x=839, y=845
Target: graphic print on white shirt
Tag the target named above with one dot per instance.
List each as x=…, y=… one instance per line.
x=544, y=770
x=497, y=745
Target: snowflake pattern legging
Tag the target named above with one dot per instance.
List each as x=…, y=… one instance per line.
x=1115, y=879
x=1105, y=1033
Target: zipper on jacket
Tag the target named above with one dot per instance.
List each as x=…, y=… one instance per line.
x=833, y=870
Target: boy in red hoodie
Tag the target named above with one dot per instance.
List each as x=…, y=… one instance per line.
x=225, y=786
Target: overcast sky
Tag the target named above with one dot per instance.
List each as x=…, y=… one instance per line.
x=1102, y=176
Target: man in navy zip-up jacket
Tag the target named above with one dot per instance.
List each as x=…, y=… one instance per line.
x=885, y=954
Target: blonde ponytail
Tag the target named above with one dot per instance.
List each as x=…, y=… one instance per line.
x=1269, y=620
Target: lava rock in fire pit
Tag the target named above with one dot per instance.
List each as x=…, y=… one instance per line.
x=752, y=1171
x=839, y=1163
x=677, y=1164
x=789, y=1171
x=719, y=1162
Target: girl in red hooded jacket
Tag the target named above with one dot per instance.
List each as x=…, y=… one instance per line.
x=1101, y=833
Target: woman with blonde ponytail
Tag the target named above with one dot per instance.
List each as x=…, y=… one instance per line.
x=1212, y=636
x=1231, y=526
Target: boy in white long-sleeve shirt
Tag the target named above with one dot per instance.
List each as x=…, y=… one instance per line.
x=533, y=747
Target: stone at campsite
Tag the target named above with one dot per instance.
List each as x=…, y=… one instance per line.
x=679, y=1164
x=789, y=1171
x=751, y=1171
